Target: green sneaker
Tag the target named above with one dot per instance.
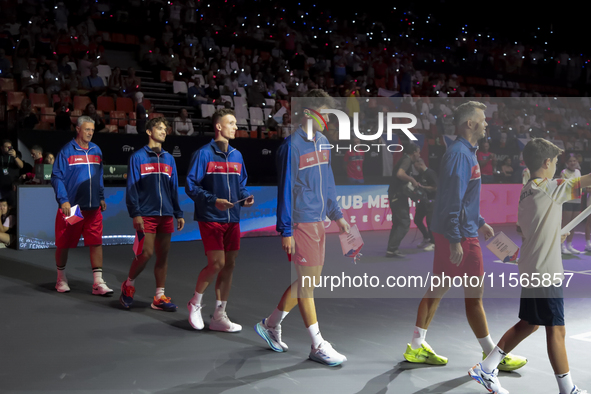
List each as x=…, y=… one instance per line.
x=510, y=362
x=424, y=355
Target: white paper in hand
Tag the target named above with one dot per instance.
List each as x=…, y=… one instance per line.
x=502, y=247
x=351, y=243
x=75, y=215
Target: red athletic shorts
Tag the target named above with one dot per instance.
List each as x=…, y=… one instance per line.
x=309, y=244
x=220, y=236
x=471, y=264
x=158, y=224
x=67, y=235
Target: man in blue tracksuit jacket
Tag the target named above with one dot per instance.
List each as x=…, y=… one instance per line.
x=77, y=179
x=217, y=183
x=152, y=200
x=307, y=195
x=455, y=225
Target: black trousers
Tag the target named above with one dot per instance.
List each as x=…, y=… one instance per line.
x=400, y=221
x=424, y=209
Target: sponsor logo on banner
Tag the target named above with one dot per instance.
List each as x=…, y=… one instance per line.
x=266, y=152
x=176, y=152
x=127, y=148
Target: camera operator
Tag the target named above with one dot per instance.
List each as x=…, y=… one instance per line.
x=424, y=208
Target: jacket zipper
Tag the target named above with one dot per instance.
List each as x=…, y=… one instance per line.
x=228, y=180
x=159, y=183
x=90, y=176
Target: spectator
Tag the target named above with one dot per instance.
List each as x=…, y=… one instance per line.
x=5, y=67
x=63, y=67
x=94, y=84
x=26, y=116
x=244, y=78
x=571, y=208
x=182, y=124
x=507, y=171
x=487, y=161
x=10, y=164
x=30, y=79
x=353, y=163
x=280, y=88
x=63, y=110
x=37, y=155
x=115, y=84
x=131, y=84
x=212, y=92
x=53, y=80
x=99, y=122
x=7, y=225
x=195, y=97
x=85, y=65
x=48, y=158
x=140, y=113
x=424, y=208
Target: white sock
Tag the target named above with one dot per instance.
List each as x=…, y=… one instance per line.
x=275, y=318
x=486, y=344
x=220, y=309
x=97, y=273
x=570, y=245
x=491, y=362
x=565, y=383
x=61, y=273
x=159, y=292
x=196, y=300
x=314, y=332
x=418, y=337
x=130, y=282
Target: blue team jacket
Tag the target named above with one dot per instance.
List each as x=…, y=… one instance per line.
x=214, y=174
x=152, y=184
x=456, y=212
x=307, y=191
x=77, y=176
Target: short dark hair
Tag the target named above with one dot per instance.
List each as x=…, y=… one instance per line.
x=537, y=151
x=410, y=148
x=154, y=121
x=37, y=148
x=5, y=141
x=219, y=114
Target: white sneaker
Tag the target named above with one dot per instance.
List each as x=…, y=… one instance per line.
x=423, y=243
x=489, y=380
x=577, y=390
x=565, y=250
x=325, y=354
x=224, y=324
x=588, y=247
x=195, y=318
x=429, y=248
x=62, y=286
x=271, y=335
x=102, y=289
x=573, y=250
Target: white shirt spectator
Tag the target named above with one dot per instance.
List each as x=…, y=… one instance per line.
x=244, y=79
x=181, y=127
x=281, y=88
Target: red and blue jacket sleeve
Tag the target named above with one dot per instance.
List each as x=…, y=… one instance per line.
x=132, y=192
x=333, y=210
x=194, y=187
x=58, y=176
x=174, y=193
x=458, y=171
x=101, y=180
x=285, y=165
x=243, y=179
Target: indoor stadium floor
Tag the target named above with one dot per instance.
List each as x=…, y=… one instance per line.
x=80, y=343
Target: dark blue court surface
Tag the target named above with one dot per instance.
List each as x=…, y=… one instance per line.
x=80, y=343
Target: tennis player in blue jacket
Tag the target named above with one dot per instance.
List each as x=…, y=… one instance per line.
x=307, y=195
x=152, y=201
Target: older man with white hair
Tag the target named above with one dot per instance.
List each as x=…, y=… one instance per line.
x=77, y=179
